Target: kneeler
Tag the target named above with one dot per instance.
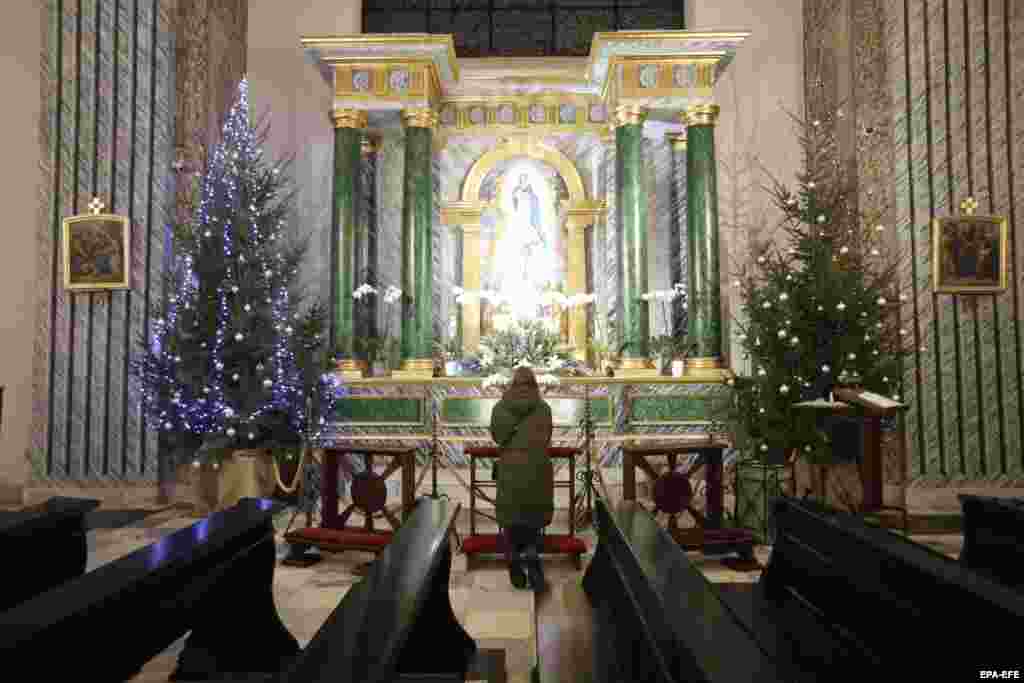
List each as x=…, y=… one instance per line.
x=369, y=496
x=494, y=544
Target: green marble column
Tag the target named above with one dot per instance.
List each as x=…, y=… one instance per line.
x=348, y=134
x=631, y=207
x=417, y=256
x=704, y=332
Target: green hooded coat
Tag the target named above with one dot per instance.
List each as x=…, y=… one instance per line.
x=521, y=425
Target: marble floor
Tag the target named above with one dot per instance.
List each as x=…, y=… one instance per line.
x=499, y=617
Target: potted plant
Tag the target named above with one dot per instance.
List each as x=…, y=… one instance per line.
x=668, y=349
x=450, y=354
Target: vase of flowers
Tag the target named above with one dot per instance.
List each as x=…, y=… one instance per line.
x=669, y=347
x=380, y=349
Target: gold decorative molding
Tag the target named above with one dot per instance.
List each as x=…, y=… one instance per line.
x=462, y=213
x=349, y=118
x=523, y=147
x=707, y=363
x=535, y=113
x=386, y=79
x=702, y=115
x=415, y=367
x=421, y=117
x=580, y=215
x=677, y=140
x=370, y=144
x=335, y=49
x=628, y=114
x=349, y=368
x=637, y=367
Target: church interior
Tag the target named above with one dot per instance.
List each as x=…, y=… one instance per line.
x=274, y=269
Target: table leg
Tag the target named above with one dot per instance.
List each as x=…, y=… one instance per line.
x=871, y=465
x=329, y=493
x=472, y=496
x=713, y=485
x=628, y=476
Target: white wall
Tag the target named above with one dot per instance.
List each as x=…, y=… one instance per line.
x=21, y=44
x=755, y=133
x=285, y=86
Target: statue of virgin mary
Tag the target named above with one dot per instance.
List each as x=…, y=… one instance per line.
x=526, y=253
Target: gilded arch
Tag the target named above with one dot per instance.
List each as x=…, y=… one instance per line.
x=524, y=147
x=581, y=213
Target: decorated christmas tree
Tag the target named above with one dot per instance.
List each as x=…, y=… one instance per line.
x=821, y=302
x=235, y=360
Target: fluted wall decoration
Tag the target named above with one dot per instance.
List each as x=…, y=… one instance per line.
x=935, y=110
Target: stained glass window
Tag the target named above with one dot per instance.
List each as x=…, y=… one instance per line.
x=521, y=28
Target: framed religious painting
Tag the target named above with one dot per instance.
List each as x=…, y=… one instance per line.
x=969, y=253
x=96, y=251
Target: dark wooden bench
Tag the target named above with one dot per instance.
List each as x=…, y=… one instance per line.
x=653, y=616
x=842, y=595
x=43, y=546
x=397, y=623
x=994, y=537
x=213, y=578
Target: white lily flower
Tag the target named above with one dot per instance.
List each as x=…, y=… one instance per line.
x=495, y=380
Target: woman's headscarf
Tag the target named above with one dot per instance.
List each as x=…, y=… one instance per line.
x=523, y=393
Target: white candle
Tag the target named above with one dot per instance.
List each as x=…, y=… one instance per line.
x=830, y=399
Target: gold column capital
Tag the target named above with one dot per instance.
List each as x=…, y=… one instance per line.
x=677, y=140
x=423, y=117
x=701, y=115
x=349, y=118
x=370, y=144
x=626, y=114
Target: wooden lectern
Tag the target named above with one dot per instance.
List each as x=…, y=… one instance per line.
x=870, y=408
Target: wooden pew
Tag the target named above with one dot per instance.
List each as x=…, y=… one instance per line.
x=213, y=578
x=43, y=546
x=839, y=594
x=655, y=617
x=994, y=538
x=397, y=624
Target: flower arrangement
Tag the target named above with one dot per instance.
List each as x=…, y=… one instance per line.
x=381, y=346
x=667, y=345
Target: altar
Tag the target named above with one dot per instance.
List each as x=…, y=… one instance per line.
x=573, y=192
x=569, y=199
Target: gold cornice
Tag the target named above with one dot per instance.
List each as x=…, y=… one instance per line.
x=628, y=114
x=412, y=40
x=421, y=117
x=604, y=36
x=349, y=118
x=701, y=115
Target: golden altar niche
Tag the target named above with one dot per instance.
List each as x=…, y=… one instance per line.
x=484, y=224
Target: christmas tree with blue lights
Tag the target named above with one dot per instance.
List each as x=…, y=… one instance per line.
x=235, y=360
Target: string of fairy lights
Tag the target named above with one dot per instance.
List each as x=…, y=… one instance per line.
x=238, y=208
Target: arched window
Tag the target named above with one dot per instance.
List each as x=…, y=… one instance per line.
x=521, y=28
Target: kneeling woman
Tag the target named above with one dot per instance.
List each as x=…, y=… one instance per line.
x=521, y=426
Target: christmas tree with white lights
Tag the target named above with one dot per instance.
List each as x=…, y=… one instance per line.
x=235, y=361
x=820, y=303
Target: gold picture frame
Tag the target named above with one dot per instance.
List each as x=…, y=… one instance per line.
x=969, y=254
x=96, y=252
